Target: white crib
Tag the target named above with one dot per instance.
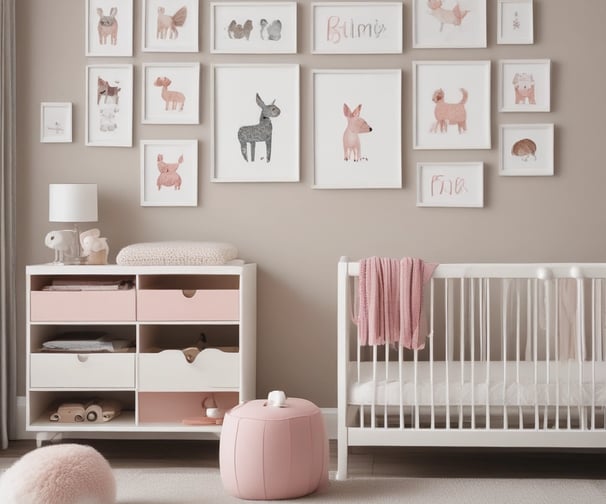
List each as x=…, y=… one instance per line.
x=515, y=357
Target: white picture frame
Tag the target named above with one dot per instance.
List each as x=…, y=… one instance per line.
x=448, y=24
x=515, y=22
x=171, y=93
x=109, y=105
x=451, y=104
x=55, y=122
x=169, y=173
x=170, y=26
x=450, y=184
x=524, y=85
x=356, y=28
x=241, y=93
x=109, y=28
x=253, y=27
x=357, y=129
x=526, y=150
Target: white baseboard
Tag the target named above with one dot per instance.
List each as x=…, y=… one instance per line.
x=330, y=418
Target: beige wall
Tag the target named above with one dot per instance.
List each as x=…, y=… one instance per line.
x=297, y=234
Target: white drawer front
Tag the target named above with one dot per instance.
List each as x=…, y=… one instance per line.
x=82, y=370
x=169, y=371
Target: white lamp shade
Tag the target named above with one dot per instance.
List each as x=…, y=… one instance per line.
x=72, y=202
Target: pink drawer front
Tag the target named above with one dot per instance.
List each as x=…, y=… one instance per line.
x=117, y=306
x=160, y=304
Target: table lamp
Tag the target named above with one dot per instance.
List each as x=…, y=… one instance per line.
x=71, y=203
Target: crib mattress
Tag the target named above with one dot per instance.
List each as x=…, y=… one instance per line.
x=507, y=385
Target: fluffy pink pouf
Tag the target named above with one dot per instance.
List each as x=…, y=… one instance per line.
x=59, y=474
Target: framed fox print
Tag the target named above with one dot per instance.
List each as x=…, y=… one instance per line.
x=451, y=104
x=170, y=26
x=255, y=123
x=448, y=23
x=357, y=129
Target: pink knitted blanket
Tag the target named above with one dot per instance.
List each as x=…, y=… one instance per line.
x=391, y=301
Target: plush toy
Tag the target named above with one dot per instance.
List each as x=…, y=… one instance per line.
x=94, y=247
x=62, y=242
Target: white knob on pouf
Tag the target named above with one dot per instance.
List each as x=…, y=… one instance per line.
x=276, y=399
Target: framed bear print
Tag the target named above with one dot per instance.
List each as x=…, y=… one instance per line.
x=451, y=104
x=524, y=85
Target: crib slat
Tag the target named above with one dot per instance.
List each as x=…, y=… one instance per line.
x=431, y=340
x=580, y=323
x=473, y=352
x=416, y=385
x=373, y=412
x=593, y=331
x=518, y=329
x=535, y=344
x=504, y=318
x=401, y=384
x=557, y=350
x=447, y=292
x=488, y=338
x=547, y=286
x=462, y=350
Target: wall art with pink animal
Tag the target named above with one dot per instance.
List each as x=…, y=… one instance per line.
x=449, y=23
x=109, y=27
x=524, y=85
x=526, y=149
x=170, y=26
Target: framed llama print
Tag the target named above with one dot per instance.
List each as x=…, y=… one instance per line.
x=450, y=184
x=515, y=22
x=109, y=28
x=356, y=27
x=524, y=85
x=451, y=104
x=357, y=129
x=109, y=105
x=55, y=122
x=526, y=149
x=169, y=172
x=255, y=123
x=448, y=23
x=253, y=27
x=171, y=93
x=170, y=26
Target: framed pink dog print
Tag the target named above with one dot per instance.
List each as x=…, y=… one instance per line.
x=524, y=85
x=451, y=104
x=169, y=172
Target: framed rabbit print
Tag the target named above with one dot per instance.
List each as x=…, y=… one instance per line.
x=109, y=28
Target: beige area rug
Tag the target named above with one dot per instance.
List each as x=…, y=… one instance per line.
x=203, y=485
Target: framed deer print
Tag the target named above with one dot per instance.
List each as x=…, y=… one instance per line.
x=255, y=123
x=356, y=27
x=109, y=105
x=448, y=23
x=450, y=184
x=169, y=172
x=109, y=28
x=171, y=93
x=524, y=85
x=526, y=149
x=451, y=104
x=170, y=26
x=253, y=27
x=357, y=129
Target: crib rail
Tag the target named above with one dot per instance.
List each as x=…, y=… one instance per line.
x=515, y=356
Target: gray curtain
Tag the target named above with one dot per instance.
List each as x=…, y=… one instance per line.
x=8, y=310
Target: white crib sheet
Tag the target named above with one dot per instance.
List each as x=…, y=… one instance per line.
x=563, y=387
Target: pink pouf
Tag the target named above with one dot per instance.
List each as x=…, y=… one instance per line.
x=274, y=451
x=59, y=474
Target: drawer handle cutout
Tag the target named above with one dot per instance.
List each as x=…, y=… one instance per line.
x=189, y=293
x=82, y=358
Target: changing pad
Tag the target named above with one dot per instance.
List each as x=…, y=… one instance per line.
x=176, y=253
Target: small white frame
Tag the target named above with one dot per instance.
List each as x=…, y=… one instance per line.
x=109, y=116
x=450, y=184
x=372, y=132
x=450, y=24
x=157, y=38
x=526, y=150
x=236, y=27
x=515, y=22
x=356, y=28
x=55, y=122
x=464, y=86
x=524, y=85
x=174, y=102
x=171, y=186
x=234, y=105
x=113, y=37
